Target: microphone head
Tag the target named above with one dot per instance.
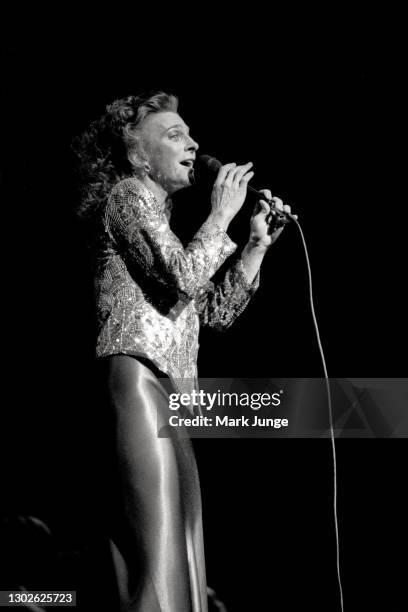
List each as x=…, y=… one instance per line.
x=211, y=162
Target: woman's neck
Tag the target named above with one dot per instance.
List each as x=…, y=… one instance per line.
x=158, y=191
x=162, y=196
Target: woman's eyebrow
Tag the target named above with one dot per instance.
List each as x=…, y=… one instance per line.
x=178, y=125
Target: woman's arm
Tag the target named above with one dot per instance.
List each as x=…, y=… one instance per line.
x=219, y=304
x=142, y=234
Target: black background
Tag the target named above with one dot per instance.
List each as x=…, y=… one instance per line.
x=316, y=107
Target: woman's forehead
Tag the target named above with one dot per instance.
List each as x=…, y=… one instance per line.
x=163, y=121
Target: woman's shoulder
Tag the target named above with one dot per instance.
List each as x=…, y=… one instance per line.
x=129, y=192
x=128, y=185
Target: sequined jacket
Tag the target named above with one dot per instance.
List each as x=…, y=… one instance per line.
x=152, y=293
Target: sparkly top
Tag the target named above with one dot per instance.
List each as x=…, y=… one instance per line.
x=152, y=293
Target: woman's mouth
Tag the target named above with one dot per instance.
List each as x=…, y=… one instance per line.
x=188, y=163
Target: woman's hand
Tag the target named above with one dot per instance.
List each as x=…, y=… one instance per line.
x=262, y=232
x=230, y=189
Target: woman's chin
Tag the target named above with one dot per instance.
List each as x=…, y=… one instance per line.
x=180, y=183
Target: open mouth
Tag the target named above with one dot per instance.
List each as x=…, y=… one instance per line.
x=188, y=163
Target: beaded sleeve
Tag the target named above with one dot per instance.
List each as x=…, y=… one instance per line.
x=219, y=304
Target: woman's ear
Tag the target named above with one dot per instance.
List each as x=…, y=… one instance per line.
x=137, y=155
x=138, y=162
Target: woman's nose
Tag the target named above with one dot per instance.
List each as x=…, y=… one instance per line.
x=191, y=145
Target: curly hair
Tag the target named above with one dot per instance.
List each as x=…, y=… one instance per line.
x=104, y=149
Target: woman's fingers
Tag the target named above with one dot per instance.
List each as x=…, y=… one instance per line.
x=223, y=172
x=231, y=173
x=267, y=193
x=278, y=203
x=247, y=177
x=264, y=207
x=241, y=173
x=229, y=189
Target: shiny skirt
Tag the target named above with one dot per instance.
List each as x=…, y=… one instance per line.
x=153, y=495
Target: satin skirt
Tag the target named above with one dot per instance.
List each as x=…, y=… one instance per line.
x=153, y=497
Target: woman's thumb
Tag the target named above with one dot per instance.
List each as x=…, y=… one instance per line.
x=265, y=208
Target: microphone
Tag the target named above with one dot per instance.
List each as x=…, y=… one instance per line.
x=281, y=217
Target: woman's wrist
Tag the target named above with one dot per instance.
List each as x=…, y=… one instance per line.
x=256, y=247
x=220, y=219
x=252, y=257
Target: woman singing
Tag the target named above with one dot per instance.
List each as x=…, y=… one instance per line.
x=151, y=297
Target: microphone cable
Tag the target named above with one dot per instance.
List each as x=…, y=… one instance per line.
x=329, y=400
x=214, y=164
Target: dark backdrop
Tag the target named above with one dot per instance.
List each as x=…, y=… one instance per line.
x=317, y=113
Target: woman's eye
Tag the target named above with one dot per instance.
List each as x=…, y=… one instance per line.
x=174, y=135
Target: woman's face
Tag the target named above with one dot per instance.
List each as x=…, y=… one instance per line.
x=169, y=150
